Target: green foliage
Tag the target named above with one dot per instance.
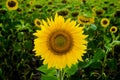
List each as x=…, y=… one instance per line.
x=72, y=70
x=48, y=74
x=98, y=55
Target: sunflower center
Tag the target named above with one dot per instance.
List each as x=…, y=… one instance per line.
x=38, y=22
x=113, y=29
x=104, y=22
x=11, y=4
x=60, y=42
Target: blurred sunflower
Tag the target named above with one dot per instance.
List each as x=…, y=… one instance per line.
x=113, y=29
x=104, y=22
x=99, y=13
x=31, y=2
x=85, y=20
x=60, y=43
x=12, y=4
x=37, y=22
x=19, y=10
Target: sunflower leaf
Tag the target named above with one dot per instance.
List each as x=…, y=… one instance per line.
x=93, y=27
x=48, y=77
x=99, y=54
x=112, y=64
x=45, y=70
x=72, y=70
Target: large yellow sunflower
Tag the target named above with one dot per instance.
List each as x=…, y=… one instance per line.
x=60, y=43
x=12, y=4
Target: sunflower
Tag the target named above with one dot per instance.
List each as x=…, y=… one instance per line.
x=104, y=22
x=12, y=4
x=63, y=12
x=99, y=13
x=37, y=22
x=85, y=20
x=113, y=29
x=60, y=43
x=31, y=2
x=19, y=10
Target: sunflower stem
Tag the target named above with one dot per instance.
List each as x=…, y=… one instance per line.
x=60, y=74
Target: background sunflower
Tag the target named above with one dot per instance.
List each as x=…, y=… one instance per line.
x=37, y=22
x=104, y=22
x=12, y=4
x=85, y=20
x=113, y=29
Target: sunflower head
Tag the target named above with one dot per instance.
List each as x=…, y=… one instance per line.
x=37, y=22
x=12, y=4
x=19, y=10
x=85, y=20
x=104, y=22
x=113, y=29
x=117, y=13
x=31, y=2
x=38, y=6
x=75, y=14
x=63, y=12
x=60, y=43
x=99, y=13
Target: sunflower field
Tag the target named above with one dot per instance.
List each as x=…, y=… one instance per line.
x=59, y=39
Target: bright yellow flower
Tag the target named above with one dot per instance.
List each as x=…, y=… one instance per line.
x=85, y=20
x=12, y=4
x=104, y=22
x=113, y=29
x=60, y=43
x=37, y=22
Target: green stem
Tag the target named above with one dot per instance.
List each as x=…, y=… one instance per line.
x=113, y=51
x=105, y=58
x=60, y=74
x=104, y=65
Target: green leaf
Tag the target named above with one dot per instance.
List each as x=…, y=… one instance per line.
x=93, y=26
x=72, y=70
x=82, y=64
x=48, y=77
x=49, y=74
x=17, y=46
x=99, y=54
x=20, y=36
x=107, y=39
x=96, y=65
x=1, y=25
x=112, y=64
x=44, y=69
x=0, y=72
x=28, y=44
x=85, y=64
